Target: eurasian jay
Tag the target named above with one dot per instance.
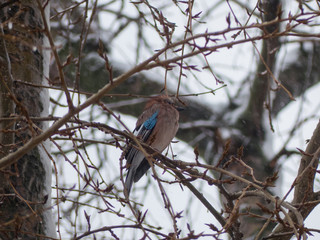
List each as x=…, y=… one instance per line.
x=156, y=126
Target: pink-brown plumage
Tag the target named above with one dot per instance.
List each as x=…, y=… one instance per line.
x=156, y=126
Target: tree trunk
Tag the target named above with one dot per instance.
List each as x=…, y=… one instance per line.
x=25, y=189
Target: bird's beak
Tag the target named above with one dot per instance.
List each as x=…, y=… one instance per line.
x=180, y=109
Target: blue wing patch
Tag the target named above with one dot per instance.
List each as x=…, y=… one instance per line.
x=151, y=122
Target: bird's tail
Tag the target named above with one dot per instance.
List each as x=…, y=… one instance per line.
x=128, y=183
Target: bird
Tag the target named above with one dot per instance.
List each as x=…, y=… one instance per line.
x=156, y=126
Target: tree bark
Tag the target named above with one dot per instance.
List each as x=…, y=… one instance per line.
x=25, y=189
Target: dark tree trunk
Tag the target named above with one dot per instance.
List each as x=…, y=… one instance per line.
x=25, y=186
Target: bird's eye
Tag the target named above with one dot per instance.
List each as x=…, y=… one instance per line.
x=169, y=101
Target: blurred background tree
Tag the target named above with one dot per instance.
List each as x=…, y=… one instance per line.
x=245, y=71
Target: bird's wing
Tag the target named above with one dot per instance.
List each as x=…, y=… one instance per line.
x=136, y=162
x=143, y=132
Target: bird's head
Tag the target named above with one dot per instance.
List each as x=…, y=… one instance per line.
x=167, y=100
